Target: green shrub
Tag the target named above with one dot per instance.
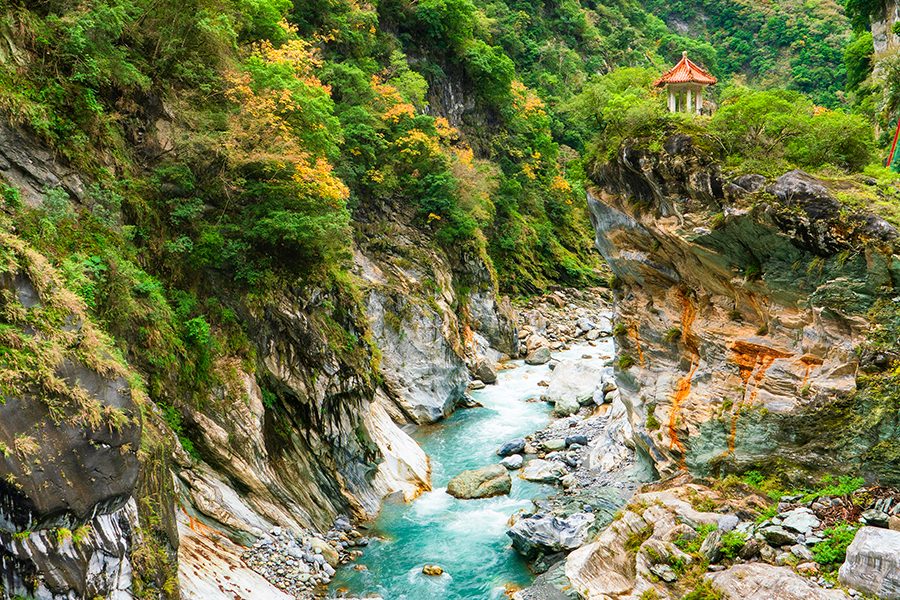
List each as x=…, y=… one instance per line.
x=625, y=362
x=691, y=545
x=832, y=550
x=732, y=543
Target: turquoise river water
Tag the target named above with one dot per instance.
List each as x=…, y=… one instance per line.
x=467, y=538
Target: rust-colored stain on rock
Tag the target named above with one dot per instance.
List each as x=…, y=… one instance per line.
x=753, y=360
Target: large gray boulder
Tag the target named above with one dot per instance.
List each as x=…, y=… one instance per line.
x=873, y=563
x=480, y=483
x=573, y=383
x=533, y=534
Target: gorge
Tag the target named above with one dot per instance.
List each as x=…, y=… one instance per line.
x=449, y=299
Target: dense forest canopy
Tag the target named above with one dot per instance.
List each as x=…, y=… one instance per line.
x=464, y=109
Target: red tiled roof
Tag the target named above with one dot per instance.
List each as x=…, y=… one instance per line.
x=686, y=71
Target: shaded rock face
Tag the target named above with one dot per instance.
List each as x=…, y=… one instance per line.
x=32, y=168
x=62, y=494
x=69, y=434
x=741, y=311
x=47, y=566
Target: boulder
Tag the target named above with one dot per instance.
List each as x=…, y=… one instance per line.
x=572, y=382
x=876, y=518
x=581, y=440
x=712, y=546
x=513, y=462
x=543, y=471
x=480, y=483
x=554, y=444
x=778, y=536
x=728, y=522
x=533, y=534
x=476, y=384
x=432, y=570
x=484, y=370
x=327, y=551
x=516, y=446
x=873, y=563
x=539, y=356
x=759, y=581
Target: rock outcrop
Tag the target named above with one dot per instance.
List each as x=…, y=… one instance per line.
x=70, y=428
x=873, y=563
x=739, y=310
x=428, y=334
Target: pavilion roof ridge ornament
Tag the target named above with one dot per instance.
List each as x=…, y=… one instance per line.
x=686, y=71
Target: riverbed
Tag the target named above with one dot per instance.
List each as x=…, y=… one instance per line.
x=467, y=538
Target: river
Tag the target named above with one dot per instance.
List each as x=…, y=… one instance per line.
x=467, y=538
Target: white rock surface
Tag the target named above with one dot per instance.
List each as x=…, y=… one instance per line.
x=873, y=563
x=572, y=381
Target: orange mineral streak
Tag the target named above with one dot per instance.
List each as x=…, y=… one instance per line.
x=753, y=360
x=637, y=343
x=809, y=361
x=683, y=387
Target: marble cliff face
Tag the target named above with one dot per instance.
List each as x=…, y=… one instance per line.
x=741, y=304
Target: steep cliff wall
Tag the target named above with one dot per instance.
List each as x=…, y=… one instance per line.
x=292, y=434
x=741, y=304
x=883, y=35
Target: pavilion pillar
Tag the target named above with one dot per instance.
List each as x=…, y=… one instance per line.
x=690, y=101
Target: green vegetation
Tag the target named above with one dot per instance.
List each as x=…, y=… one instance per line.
x=732, y=543
x=637, y=538
x=704, y=590
x=773, y=486
x=652, y=423
x=831, y=552
x=765, y=131
x=787, y=44
x=625, y=361
x=691, y=544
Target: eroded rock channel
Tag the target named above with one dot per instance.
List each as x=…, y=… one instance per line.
x=557, y=426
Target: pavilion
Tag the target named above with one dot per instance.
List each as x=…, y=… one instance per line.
x=685, y=83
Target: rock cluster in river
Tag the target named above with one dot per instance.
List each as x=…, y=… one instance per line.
x=300, y=562
x=554, y=321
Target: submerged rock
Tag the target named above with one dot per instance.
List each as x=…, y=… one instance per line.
x=480, y=483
